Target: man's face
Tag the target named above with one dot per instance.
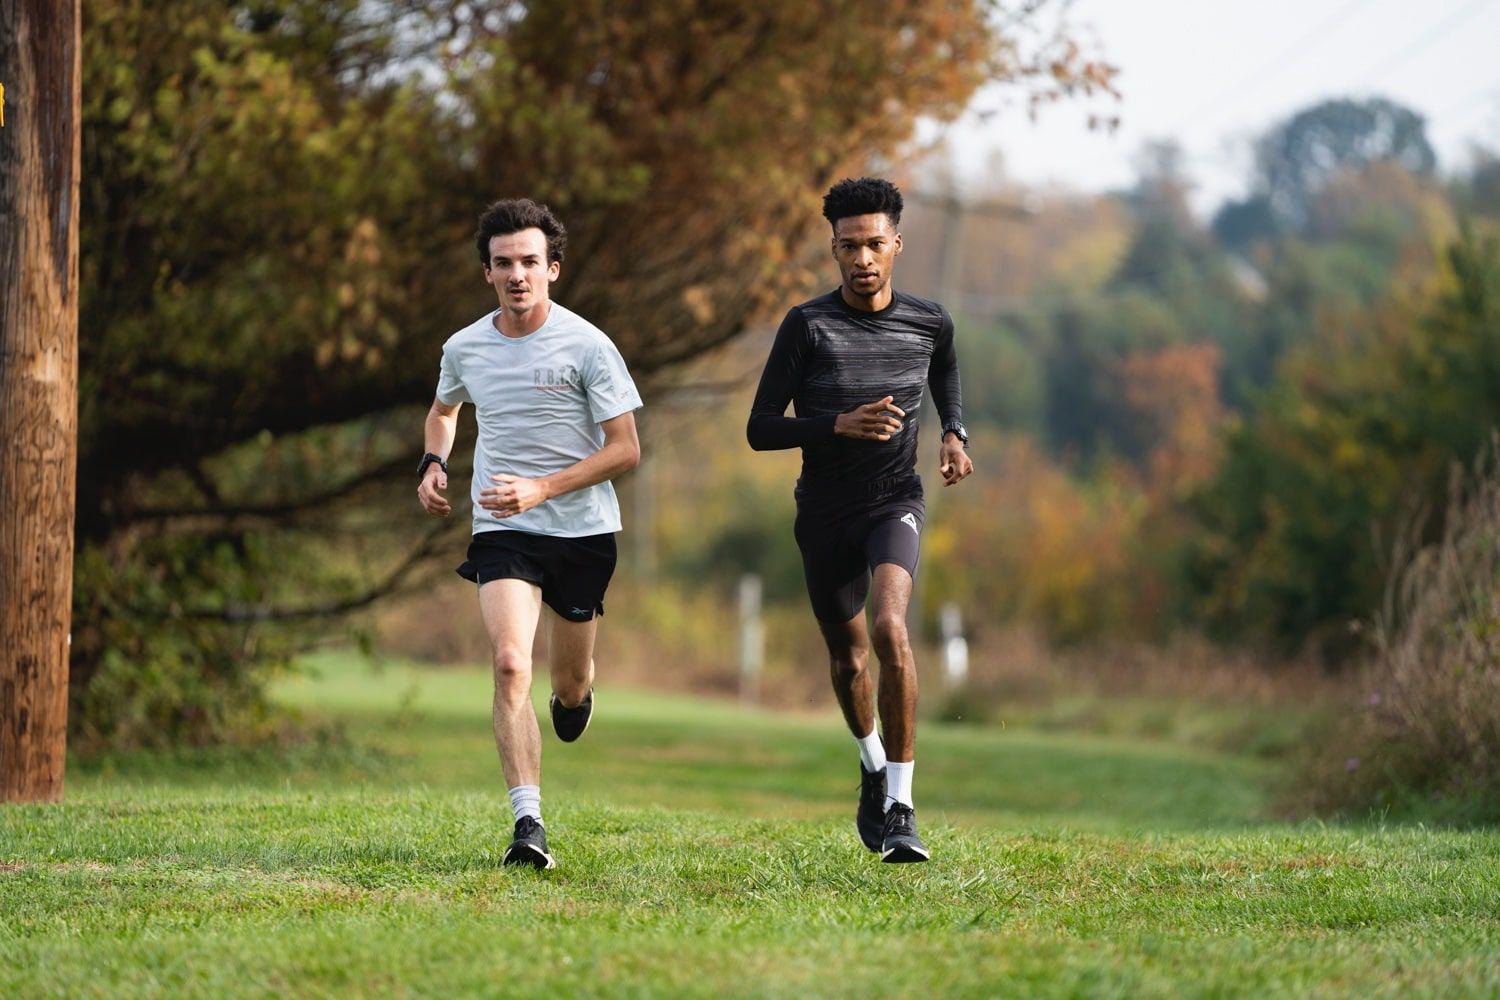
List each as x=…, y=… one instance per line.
x=866, y=247
x=519, y=269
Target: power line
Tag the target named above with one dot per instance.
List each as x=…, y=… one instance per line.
x=1416, y=48
x=1489, y=91
x=1276, y=66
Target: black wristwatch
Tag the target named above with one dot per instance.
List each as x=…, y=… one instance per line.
x=427, y=460
x=954, y=427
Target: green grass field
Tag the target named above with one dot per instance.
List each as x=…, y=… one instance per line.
x=706, y=850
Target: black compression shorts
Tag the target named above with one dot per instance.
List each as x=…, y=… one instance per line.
x=845, y=530
x=572, y=572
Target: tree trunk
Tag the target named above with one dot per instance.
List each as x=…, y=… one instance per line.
x=39, y=165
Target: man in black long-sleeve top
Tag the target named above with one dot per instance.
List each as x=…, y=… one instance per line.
x=854, y=363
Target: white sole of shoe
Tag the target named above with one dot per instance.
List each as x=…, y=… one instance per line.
x=528, y=855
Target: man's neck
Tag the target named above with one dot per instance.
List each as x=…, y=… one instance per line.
x=872, y=303
x=511, y=324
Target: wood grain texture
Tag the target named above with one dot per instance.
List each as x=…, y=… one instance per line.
x=39, y=174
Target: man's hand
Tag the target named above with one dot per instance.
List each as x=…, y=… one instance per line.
x=513, y=496
x=954, y=463
x=875, y=421
x=430, y=491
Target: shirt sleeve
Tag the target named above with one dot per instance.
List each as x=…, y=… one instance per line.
x=451, y=389
x=770, y=429
x=942, y=376
x=611, y=391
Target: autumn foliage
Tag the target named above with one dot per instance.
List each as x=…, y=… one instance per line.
x=278, y=204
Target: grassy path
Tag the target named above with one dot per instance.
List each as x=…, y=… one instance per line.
x=708, y=851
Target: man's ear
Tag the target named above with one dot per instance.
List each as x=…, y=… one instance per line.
x=897, y=241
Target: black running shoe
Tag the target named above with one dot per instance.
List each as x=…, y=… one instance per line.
x=902, y=845
x=871, y=816
x=569, y=723
x=530, y=845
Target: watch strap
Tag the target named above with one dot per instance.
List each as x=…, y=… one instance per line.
x=956, y=427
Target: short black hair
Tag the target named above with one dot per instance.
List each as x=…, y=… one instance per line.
x=865, y=196
x=513, y=215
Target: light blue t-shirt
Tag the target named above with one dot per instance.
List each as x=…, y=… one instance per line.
x=539, y=401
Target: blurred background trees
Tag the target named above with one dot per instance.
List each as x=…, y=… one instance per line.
x=1237, y=426
x=277, y=214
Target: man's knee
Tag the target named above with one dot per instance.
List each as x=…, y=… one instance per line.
x=571, y=679
x=847, y=643
x=889, y=635
x=848, y=664
x=512, y=670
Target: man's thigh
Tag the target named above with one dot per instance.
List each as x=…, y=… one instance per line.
x=834, y=570
x=890, y=590
x=510, y=609
x=571, y=644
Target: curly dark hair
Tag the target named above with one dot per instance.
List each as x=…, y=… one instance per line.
x=865, y=196
x=513, y=215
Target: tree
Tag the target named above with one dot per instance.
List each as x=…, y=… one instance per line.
x=1241, y=225
x=1342, y=205
x=39, y=162
x=1297, y=158
x=280, y=198
x=1358, y=431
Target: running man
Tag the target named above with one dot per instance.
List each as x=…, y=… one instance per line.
x=556, y=413
x=854, y=363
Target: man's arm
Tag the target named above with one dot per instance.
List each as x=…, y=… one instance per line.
x=947, y=398
x=770, y=429
x=441, y=426
x=514, y=495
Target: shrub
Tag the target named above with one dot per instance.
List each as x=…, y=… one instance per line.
x=1425, y=737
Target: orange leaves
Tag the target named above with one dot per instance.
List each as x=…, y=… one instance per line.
x=1174, y=393
x=1034, y=542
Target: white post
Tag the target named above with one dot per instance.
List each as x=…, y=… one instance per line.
x=752, y=638
x=955, y=646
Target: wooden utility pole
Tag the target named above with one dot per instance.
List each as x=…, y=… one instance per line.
x=39, y=166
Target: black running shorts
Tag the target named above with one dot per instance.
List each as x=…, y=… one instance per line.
x=845, y=530
x=572, y=572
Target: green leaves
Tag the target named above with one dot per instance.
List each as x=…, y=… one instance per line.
x=1351, y=438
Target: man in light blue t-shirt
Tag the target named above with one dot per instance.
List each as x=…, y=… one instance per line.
x=556, y=413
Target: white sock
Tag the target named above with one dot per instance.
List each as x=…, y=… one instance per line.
x=898, y=782
x=526, y=800
x=871, y=752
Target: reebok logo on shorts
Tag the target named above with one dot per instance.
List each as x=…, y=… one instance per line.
x=910, y=520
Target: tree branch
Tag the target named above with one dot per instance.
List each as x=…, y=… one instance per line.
x=236, y=613
x=271, y=511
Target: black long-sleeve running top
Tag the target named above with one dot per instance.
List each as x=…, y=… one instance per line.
x=829, y=358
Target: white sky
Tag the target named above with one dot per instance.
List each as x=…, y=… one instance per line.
x=1216, y=73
